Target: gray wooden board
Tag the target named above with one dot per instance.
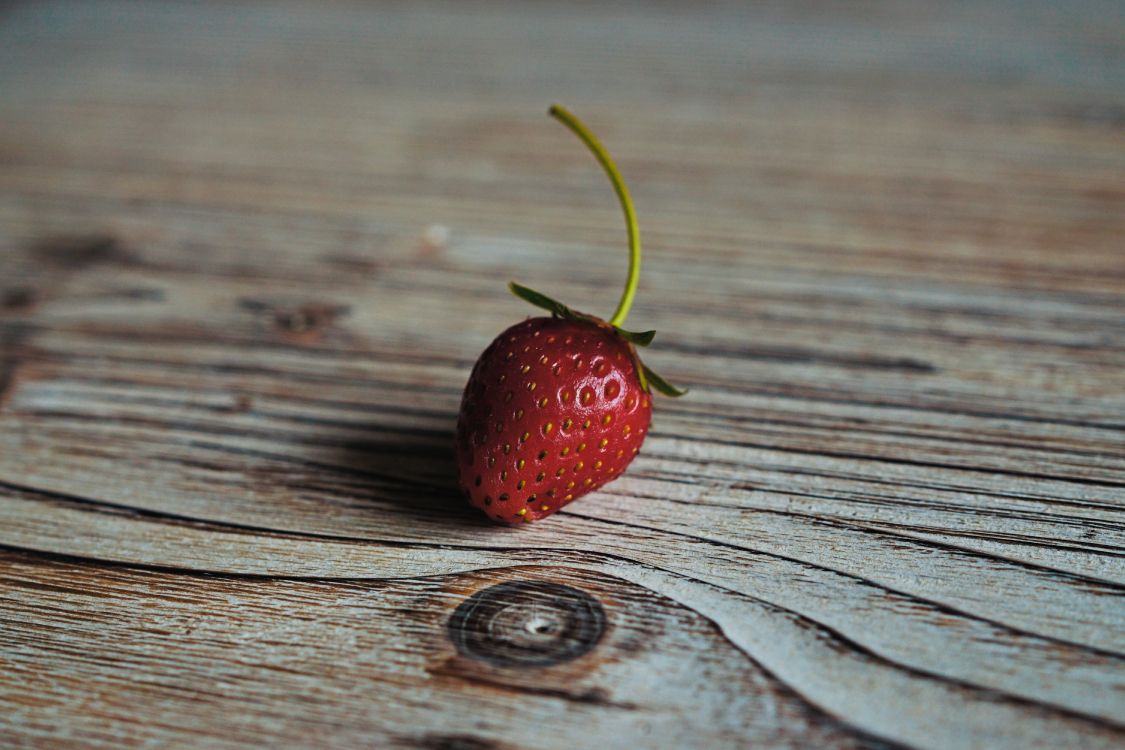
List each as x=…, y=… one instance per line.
x=248, y=255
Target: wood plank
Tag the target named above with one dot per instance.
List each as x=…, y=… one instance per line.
x=282, y=661
x=248, y=256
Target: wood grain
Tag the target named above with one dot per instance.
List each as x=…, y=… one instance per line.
x=250, y=655
x=248, y=255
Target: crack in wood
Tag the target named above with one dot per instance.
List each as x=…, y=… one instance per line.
x=13, y=337
x=81, y=251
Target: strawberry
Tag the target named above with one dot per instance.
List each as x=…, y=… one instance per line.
x=557, y=406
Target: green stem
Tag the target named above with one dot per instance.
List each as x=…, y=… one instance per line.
x=579, y=129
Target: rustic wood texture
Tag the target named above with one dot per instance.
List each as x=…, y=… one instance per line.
x=248, y=255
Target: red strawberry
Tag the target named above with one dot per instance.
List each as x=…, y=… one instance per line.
x=556, y=407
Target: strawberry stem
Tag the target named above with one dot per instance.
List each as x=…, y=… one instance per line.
x=603, y=157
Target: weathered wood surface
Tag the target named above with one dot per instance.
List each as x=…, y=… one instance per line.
x=248, y=255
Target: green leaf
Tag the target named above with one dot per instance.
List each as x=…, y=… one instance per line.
x=540, y=300
x=663, y=385
x=644, y=338
x=555, y=307
x=641, y=372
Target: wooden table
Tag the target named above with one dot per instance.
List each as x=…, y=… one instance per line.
x=248, y=255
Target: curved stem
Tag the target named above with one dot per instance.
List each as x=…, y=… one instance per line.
x=579, y=129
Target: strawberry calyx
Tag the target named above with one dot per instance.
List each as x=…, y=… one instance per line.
x=648, y=378
x=559, y=310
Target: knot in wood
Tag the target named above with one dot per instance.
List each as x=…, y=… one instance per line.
x=527, y=624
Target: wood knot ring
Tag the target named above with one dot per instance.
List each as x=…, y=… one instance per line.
x=527, y=624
